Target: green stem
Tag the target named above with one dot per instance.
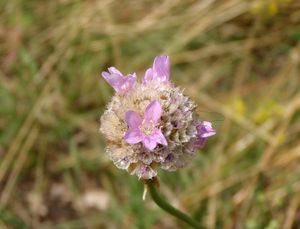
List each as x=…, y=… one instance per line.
x=168, y=208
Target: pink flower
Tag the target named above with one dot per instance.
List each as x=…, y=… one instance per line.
x=145, y=130
x=160, y=70
x=204, y=131
x=120, y=83
x=162, y=129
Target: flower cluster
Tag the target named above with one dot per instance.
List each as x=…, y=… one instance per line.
x=151, y=124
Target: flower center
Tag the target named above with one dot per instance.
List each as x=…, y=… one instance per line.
x=147, y=128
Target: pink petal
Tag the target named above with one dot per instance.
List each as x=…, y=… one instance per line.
x=149, y=142
x=113, y=79
x=120, y=83
x=159, y=137
x=205, y=129
x=113, y=70
x=153, y=112
x=132, y=119
x=127, y=83
x=133, y=136
x=161, y=68
x=148, y=76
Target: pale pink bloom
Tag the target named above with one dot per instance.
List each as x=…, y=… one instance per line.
x=145, y=130
x=160, y=70
x=120, y=83
x=204, y=131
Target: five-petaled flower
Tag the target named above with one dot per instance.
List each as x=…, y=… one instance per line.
x=146, y=130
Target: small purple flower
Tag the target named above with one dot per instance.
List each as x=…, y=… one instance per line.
x=204, y=131
x=160, y=70
x=120, y=83
x=145, y=131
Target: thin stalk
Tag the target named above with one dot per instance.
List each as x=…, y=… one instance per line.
x=168, y=208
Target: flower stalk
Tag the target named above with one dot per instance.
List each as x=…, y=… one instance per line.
x=151, y=183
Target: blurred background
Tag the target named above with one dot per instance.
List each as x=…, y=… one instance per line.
x=238, y=59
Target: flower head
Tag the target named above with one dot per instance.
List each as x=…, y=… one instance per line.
x=151, y=124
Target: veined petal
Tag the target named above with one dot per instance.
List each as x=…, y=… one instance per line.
x=161, y=68
x=153, y=112
x=133, y=136
x=113, y=70
x=148, y=76
x=131, y=76
x=159, y=137
x=132, y=119
x=130, y=79
x=120, y=83
x=205, y=129
x=149, y=142
x=128, y=82
x=115, y=80
x=112, y=78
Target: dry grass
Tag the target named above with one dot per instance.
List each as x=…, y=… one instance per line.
x=238, y=59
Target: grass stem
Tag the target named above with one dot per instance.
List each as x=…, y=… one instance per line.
x=168, y=208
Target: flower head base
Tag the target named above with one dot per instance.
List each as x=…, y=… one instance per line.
x=151, y=124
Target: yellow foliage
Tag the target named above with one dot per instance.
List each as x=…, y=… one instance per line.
x=280, y=138
x=266, y=110
x=273, y=8
x=269, y=7
x=238, y=106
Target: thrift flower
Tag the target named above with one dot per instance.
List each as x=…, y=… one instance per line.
x=120, y=83
x=151, y=124
x=144, y=130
